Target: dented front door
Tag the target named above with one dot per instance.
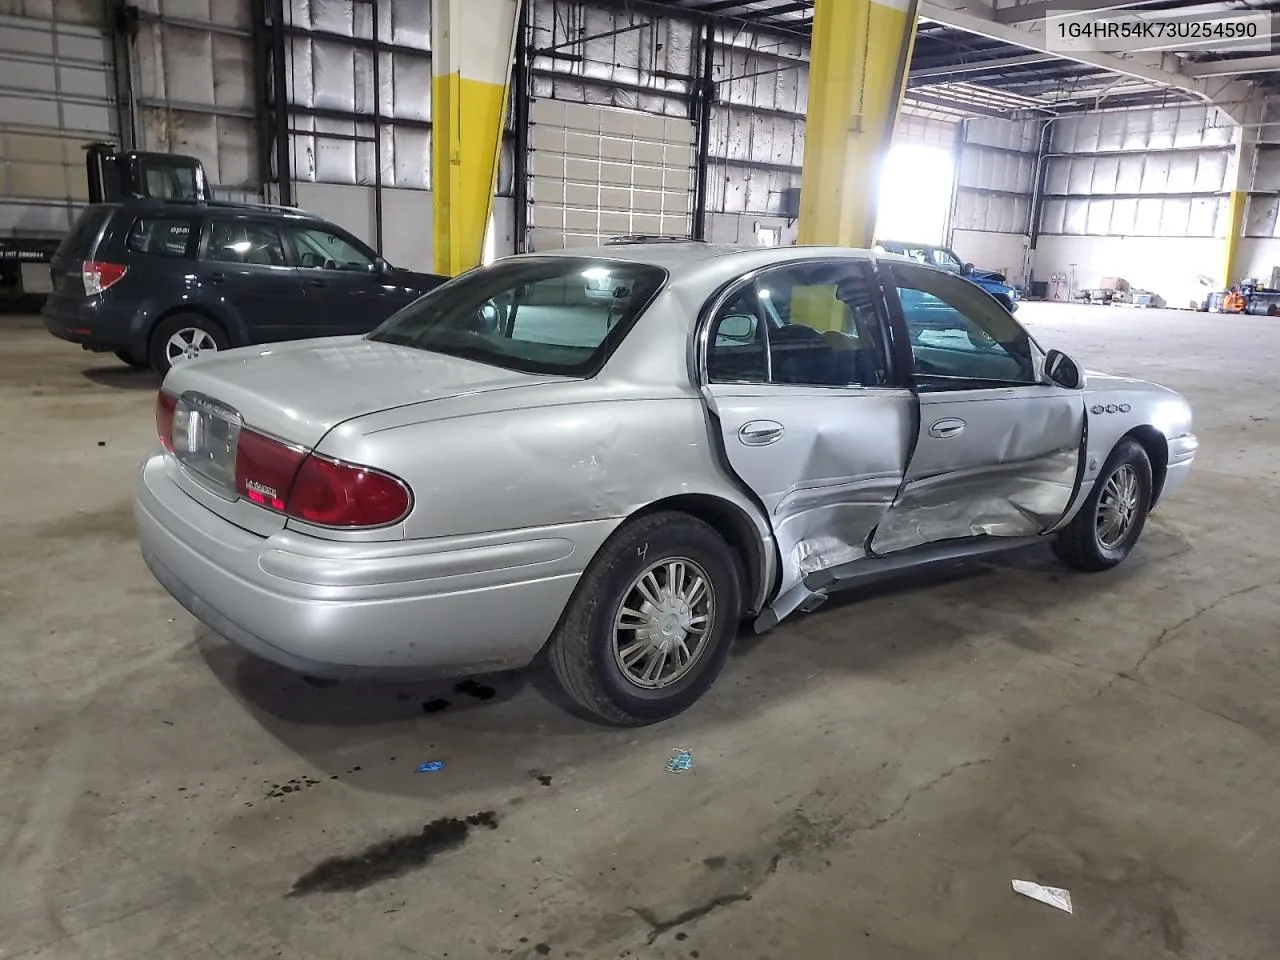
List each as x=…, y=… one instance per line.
x=998, y=447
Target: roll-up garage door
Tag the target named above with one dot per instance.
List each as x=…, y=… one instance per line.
x=56, y=93
x=599, y=172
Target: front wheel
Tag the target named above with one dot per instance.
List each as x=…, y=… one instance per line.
x=1110, y=522
x=650, y=623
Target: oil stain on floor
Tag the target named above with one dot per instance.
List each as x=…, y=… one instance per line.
x=391, y=858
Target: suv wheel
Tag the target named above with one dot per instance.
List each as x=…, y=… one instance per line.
x=184, y=336
x=649, y=626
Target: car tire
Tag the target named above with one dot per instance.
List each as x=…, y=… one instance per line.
x=201, y=333
x=591, y=645
x=1088, y=542
x=128, y=357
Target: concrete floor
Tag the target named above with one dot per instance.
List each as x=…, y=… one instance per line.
x=867, y=779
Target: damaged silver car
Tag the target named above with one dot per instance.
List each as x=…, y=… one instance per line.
x=622, y=454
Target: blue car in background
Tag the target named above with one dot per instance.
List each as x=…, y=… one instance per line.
x=990, y=281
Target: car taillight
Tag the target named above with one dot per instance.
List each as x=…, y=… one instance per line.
x=165, y=404
x=265, y=469
x=98, y=275
x=316, y=489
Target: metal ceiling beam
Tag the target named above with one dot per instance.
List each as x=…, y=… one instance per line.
x=1036, y=9
x=955, y=106
x=1232, y=97
x=1232, y=68
x=994, y=64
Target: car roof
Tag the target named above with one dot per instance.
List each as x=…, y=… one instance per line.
x=680, y=257
x=230, y=207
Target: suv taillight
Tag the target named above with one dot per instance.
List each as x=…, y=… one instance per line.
x=316, y=489
x=98, y=275
x=165, y=404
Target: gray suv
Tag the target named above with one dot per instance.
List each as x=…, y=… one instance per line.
x=157, y=282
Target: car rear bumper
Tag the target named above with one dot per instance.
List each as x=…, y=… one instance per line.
x=343, y=609
x=92, y=322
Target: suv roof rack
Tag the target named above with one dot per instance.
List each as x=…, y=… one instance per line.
x=648, y=238
x=216, y=204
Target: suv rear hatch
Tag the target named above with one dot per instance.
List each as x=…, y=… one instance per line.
x=66, y=270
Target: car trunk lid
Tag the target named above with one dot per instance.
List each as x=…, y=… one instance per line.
x=296, y=393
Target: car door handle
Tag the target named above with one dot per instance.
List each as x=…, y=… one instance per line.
x=946, y=428
x=760, y=433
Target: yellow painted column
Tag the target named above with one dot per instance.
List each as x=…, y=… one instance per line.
x=860, y=57
x=1235, y=227
x=472, y=44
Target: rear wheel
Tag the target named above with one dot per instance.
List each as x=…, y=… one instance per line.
x=651, y=621
x=138, y=363
x=184, y=336
x=1110, y=522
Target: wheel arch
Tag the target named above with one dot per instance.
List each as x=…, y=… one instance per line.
x=1155, y=445
x=234, y=336
x=739, y=532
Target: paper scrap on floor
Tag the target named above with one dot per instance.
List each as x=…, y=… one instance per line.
x=1053, y=896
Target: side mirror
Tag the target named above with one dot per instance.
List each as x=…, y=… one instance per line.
x=381, y=266
x=1062, y=370
x=966, y=268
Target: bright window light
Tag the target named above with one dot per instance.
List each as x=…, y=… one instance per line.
x=915, y=192
x=596, y=273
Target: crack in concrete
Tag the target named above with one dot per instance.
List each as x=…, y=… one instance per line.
x=659, y=927
x=912, y=794
x=1167, y=632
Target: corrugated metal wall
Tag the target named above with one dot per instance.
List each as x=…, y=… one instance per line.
x=191, y=67
x=1145, y=173
x=996, y=176
x=1262, y=215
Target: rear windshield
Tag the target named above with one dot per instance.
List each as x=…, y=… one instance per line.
x=78, y=243
x=557, y=315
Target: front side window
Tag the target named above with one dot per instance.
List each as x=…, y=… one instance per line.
x=317, y=248
x=557, y=315
x=812, y=324
x=243, y=241
x=160, y=236
x=960, y=337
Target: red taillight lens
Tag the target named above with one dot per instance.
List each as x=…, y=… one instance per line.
x=98, y=275
x=165, y=404
x=265, y=469
x=335, y=494
x=315, y=489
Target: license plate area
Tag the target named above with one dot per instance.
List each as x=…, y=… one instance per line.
x=205, y=434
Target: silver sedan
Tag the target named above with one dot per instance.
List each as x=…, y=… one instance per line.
x=621, y=455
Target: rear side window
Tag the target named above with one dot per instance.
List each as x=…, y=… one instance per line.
x=243, y=241
x=79, y=242
x=160, y=236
